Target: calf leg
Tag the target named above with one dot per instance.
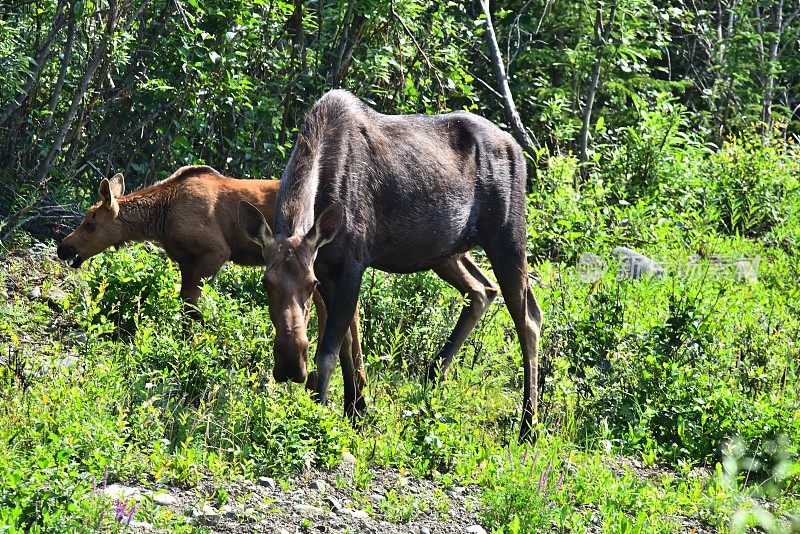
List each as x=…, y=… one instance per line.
x=350, y=357
x=192, y=274
x=461, y=272
x=507, y=255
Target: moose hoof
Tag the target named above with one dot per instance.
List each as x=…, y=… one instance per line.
x=434, y=376
x=357, y=410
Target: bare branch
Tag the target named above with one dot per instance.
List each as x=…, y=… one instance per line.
x=512, y=116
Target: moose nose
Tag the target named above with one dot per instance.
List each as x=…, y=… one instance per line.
x=65, y=252
x=290, y=361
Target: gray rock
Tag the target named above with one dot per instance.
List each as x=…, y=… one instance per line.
x=56, y=295
x=143, y=525
x=360, y=514
x=206, y=511
x=344, y=511
x=35, y=293
x=424, y=530
x=307, y=509
x=475, y=529
x=67, y=362
x=267, y=482
x=121, y=492
x=333, y=502
x=348, y=458
x=165, y=499
x=633, y=265
x=317, y=485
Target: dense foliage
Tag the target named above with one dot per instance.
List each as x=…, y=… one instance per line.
x=141, y=87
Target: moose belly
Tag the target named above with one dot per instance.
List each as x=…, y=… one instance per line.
x=420, y=251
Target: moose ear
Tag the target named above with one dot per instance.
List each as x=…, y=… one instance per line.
x=253, y=224
x=117, y=184
x=108, y=196
x=327, y=226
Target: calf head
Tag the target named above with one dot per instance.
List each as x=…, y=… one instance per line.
x=101, y=226
x=289, y=282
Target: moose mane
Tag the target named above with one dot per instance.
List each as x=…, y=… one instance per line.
x=316, y=150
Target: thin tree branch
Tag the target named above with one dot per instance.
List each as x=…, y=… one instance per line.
x=512, y=116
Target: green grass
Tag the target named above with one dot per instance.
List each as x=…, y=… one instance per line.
x=666, y=400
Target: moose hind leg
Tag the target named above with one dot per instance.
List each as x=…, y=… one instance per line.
x=508, y=260
x=461, y=272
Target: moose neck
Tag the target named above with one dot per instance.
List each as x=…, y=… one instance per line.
x=143, y=217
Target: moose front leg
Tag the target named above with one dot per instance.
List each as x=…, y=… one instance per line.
x=351, y=359
x=341, y=298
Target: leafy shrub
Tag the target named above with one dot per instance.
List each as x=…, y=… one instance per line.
x=128, y=286
x=750, y=178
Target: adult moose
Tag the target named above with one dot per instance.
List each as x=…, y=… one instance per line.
x=193, y=215
x=401, y=194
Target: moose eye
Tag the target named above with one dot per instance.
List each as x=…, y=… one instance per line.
x=90, y=226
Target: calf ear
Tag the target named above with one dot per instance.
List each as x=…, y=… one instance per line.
x=117, y=184
x=327, y=226
x=107, y=195
x=254, y=225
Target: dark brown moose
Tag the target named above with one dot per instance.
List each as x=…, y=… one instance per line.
x=401, y=194
x=193, y=215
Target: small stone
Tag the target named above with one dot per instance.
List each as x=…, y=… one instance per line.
x=317, y=485
x=4, y=294
x=165, y=499
x=267, y=482
x=35, y=293
x=333, y=502
x=144, y=525
x=123, y=493
x=424, y=530
x=344, y=511
x=206, y=511
x=67, y=362
x=376, y=497
x=475, y=529
x=348, y=458
x=452, y=494
x=284, y=531
x=360, y=514
x=228, y=511
x=307, y=509
x=56, y=295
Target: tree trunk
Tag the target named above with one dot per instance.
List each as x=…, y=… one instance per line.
x=512, y=116
x=41, y=59
x=777, y=22
x=601, y=35
x=80, y=91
